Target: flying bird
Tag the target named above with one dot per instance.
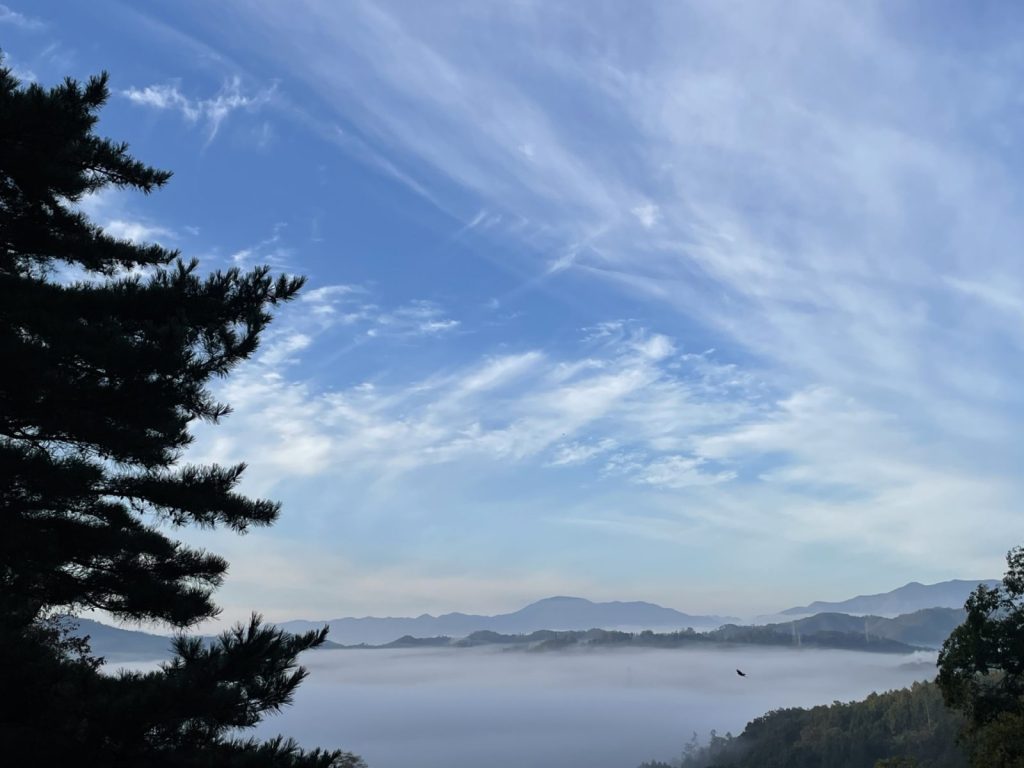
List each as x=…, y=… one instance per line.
x=741, y=673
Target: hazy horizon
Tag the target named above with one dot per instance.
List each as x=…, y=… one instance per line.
x=777, y=616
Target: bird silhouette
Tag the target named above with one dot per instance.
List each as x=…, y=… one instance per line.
x=741, y=673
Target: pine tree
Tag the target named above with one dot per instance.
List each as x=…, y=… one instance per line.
x=108, y=349
x=981, y=669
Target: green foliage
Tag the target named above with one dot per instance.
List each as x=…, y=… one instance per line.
x=899, y=729
x=981, y=669
x=1000, y=742
x=109, y=348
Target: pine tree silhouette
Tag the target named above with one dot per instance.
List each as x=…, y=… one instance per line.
x=107, y=350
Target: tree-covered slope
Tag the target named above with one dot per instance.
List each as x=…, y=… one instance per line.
x=907, y=727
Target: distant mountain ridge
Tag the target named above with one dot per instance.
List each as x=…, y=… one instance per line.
x=865, y=614
x=592, y=639
x=906, y=599
x=121, y=644
x=118, y=645
x=923, y=629
x=556, y=613
x=926, y=628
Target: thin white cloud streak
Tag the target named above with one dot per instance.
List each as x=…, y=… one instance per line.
x=408, y=68
x=797, y=178
x=272, y=250
x=647, y=214
x=825, y=276
x=370, y=157
x=212, y=112
x=416, y=318
x=794, y=176
x=117, y=214
x=853, y=475
x=1006, y=296
x=702, y=445
x=351, y=305
x=20, y=20
x=137, y=231
x=518, y=407
x=581, y=452
x=22, y=73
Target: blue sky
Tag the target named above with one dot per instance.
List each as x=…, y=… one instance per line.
x=718, y=305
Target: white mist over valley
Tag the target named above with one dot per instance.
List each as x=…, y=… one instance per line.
x=445, y=708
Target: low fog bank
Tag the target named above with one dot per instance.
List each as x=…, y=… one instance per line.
x=614, y=708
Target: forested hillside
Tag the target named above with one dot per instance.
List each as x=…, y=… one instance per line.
x=908, y=728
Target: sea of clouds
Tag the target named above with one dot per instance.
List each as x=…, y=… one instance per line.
x=606, y=708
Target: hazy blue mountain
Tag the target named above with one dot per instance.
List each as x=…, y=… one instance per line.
x=544, y=619
x=731, y=634
x=116, y=644
x=907, y=599
x=418, y=642
x=928, y=627
x=558, y=613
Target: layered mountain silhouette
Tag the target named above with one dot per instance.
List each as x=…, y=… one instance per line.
x=120, y=645
x=903, y=634
x=557, y=613
x=927, y=628
x=918, y=615
x=906, y=599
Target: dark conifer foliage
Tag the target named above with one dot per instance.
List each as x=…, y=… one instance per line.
x=108, y=350
x=907, y=728
x=981, y=669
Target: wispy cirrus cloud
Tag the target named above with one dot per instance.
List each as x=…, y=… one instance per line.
x=210, y=112
x=137, y=231
x=813, y=204
x=827, y=195
x=353, y=306
x=417, y=318
x=119, y=217
x=672, y=444
x=782, y=274
x=574, y=452
x=20, y=20
x=523, y=407
x=272, y=249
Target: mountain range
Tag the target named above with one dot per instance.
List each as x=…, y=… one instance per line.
x=557, y=613
x=903, y=634
x=915, y=614
x=927, y=628
x=906, y=599
x=120, y=645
